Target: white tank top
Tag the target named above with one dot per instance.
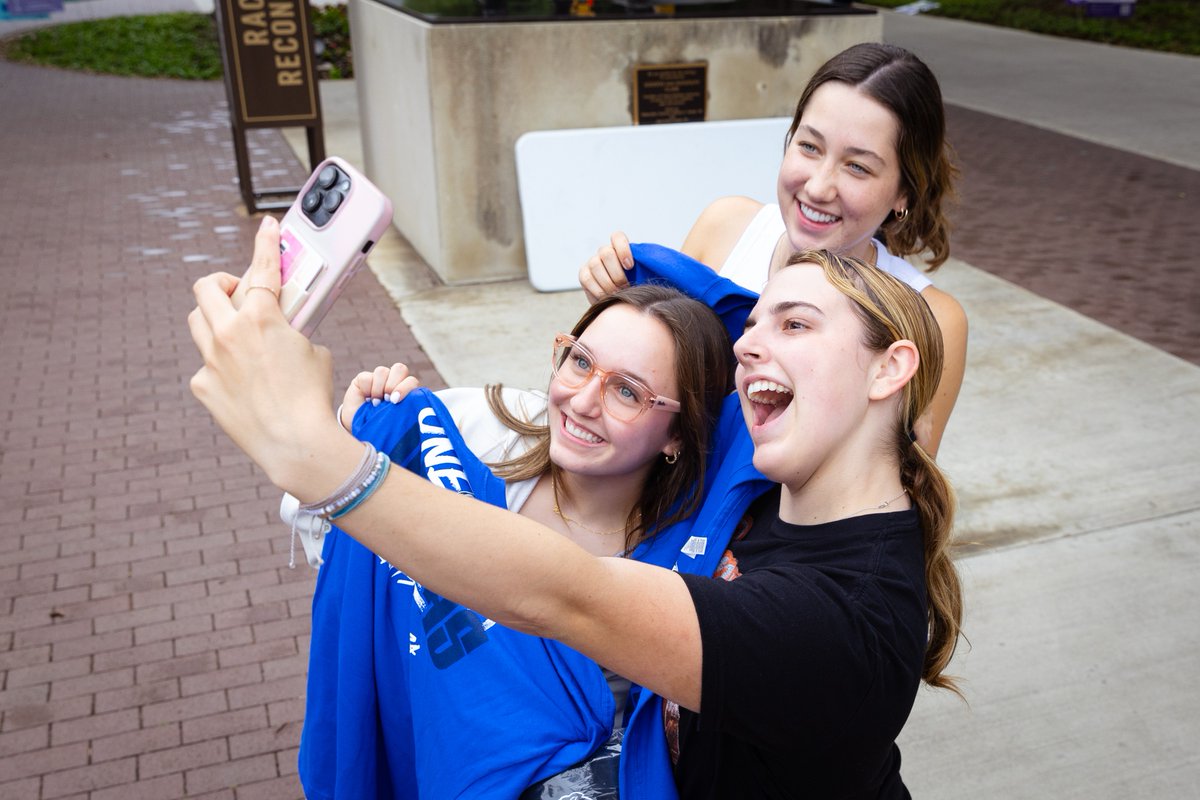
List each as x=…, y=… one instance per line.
x=750, y=259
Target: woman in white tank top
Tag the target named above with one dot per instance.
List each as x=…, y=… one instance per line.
x=865, y=157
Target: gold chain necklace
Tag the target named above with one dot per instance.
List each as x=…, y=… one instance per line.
x=881, y=506
x=569, y=521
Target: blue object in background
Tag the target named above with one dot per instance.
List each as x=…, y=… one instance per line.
x=29, y=9
x=1106, y=8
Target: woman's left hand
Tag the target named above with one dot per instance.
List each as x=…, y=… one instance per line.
x=392, y=383
x=264, y=383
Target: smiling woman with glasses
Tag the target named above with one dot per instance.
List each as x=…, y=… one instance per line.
x=585, y=459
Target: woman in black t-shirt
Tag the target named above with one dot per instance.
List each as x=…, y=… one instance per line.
x=836, y=596
x=797, y=668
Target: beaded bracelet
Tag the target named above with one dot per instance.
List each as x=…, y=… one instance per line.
x=367, y=487
x=341, y=496
x=367, y=477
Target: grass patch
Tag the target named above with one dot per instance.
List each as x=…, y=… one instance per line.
x=1167, y=25
x=179, y=45
x=182, y=45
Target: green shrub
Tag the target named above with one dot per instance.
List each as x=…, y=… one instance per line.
x=1168, y=25
x=331, y=29
x=177, y=45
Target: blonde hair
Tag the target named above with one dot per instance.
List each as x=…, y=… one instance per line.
x=891, y=311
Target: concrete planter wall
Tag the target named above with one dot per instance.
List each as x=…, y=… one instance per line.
x=442, y=105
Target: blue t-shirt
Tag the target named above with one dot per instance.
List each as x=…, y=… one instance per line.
x=412, y=695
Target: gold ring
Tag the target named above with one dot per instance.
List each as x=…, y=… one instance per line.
x=274, y=293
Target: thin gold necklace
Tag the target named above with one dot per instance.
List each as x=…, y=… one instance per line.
x=881, y=506
x=569, y=521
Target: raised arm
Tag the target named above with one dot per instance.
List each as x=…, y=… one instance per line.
x=263, y=381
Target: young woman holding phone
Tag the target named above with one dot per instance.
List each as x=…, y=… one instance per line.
x=795, y=669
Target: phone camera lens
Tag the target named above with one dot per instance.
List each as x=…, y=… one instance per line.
x=328, y=177
x=311, y=201
x=333, y=199
x=344, y=185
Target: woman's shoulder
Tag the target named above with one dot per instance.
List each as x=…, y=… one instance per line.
x=718, y=229
x=486, y=434
x=900, y=268
x=947, y=310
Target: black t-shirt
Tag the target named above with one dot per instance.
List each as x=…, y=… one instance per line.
x=813, y=645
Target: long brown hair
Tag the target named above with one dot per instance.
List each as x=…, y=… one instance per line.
x=890, y=311
x=901, y=83
x=703, y=373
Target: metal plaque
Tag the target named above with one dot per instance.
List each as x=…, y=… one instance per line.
x=670, y=93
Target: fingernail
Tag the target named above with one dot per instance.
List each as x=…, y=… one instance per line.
x=629, y=263
x=267, y=222
x=374, y=401
x=394, y=396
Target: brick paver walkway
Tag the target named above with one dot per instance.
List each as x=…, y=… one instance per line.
x=153, y=642
x=1107, y=233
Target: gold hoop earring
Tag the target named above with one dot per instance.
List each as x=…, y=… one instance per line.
x=671, y=459
x=901, y=215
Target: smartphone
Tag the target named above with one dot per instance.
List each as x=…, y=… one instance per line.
x=324, y=239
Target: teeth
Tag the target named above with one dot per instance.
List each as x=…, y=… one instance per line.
x=769, y=392
x=580, y=433
x=816, y=216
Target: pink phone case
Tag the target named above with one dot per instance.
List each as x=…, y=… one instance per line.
x=319, y=256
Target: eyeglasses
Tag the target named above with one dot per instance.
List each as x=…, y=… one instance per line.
x=623, y=396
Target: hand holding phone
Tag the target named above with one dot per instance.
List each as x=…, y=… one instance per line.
x=324, y=239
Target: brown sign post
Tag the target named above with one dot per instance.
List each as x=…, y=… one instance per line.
x=270, y=81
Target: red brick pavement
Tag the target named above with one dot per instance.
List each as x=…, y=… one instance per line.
x=1107, y=233
x=153, y=642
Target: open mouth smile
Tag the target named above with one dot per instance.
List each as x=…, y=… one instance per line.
x=768, y=400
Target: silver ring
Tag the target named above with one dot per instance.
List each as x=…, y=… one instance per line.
x=274, y=293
